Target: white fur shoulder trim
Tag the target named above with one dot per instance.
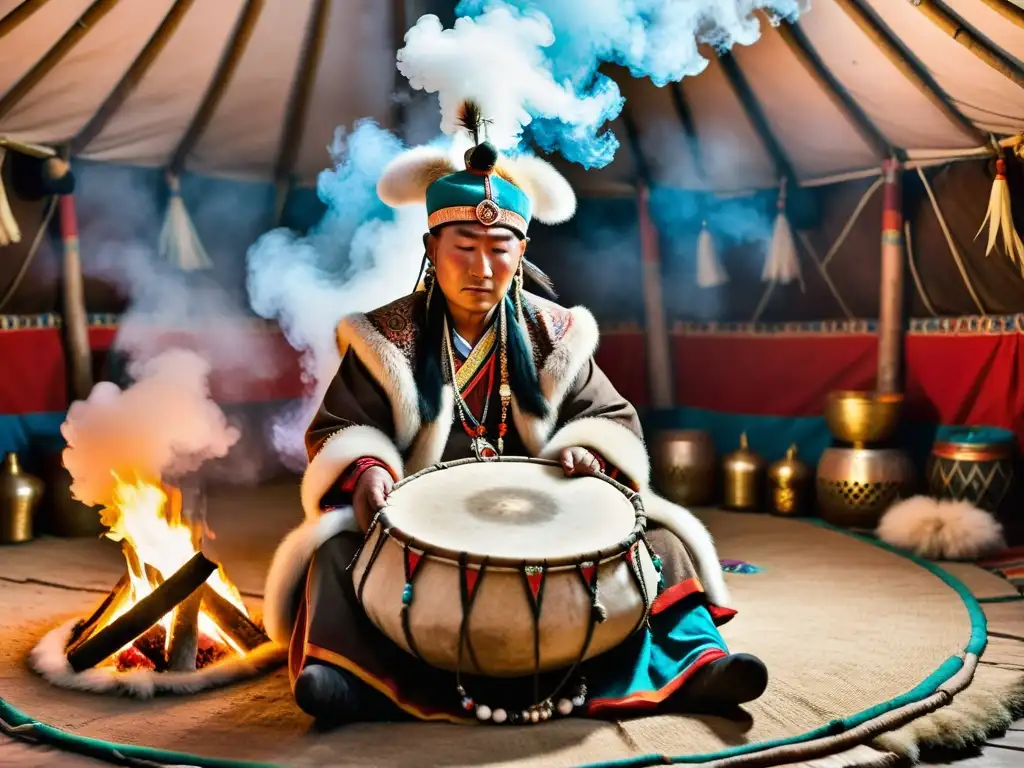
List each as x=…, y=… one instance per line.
x=389, y=368
x=337, y=453
x=617, y=444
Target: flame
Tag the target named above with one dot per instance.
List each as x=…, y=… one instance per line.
x=157, y=542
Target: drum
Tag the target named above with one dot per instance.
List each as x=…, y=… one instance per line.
x=506, y=567
x=973, y=464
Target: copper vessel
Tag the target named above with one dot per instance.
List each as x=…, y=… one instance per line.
x=856, y=485
x=743, y=478
x=790, y=491
x=19, y=495
x=862, y=418
x=684, y=466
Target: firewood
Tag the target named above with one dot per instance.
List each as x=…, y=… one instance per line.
x=143, y=615
x=101, y=615
x=181, y=655
x=231, y=621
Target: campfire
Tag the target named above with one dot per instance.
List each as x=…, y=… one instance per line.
x=174, y=609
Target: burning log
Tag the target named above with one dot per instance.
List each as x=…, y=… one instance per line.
x=101, y=615
x=181, y=656
x=143, y=615
x=235, y=625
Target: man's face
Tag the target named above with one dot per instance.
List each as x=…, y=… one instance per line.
x=474, y=264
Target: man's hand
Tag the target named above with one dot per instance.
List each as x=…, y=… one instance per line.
x=579, y=462
x=370, y=494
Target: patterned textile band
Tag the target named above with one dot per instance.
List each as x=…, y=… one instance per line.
x=491, y=216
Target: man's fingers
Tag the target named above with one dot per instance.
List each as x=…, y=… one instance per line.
x=378, y=495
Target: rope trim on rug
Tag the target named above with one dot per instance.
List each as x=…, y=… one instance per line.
x=934, y=692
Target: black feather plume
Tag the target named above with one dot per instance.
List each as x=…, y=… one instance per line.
x=539, y=278
x=471, y=118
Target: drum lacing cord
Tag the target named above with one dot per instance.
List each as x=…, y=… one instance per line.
x=638, y=576
x=407, y=594
x=536, y=601
x=467, y=597
x=377, y=546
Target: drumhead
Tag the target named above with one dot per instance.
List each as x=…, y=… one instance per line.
x=511, y=510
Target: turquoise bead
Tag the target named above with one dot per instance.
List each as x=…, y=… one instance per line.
x=407, y=594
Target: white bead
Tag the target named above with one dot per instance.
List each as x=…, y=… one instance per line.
x=545, y=714
x=525, y=715
x=578, y=701
x=483, y=712
x=535, y=716
x=499, y=716
x=564, y=706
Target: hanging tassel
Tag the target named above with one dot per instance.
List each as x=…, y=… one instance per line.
x=710, y=273
x=9, y=232
x=179, y=242
x=999, y=218
x=782, y=264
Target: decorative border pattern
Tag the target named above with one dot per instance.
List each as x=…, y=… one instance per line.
x=103, y=320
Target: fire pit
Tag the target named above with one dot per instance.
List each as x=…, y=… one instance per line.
x=173, y=623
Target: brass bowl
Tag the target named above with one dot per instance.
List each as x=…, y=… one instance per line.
x=857, y=485
x=861, y=417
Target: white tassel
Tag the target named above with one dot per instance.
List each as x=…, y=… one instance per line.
x=9, y=232
x=179, y=241
x=999, y=218
x=710, y=273
x=782, y=265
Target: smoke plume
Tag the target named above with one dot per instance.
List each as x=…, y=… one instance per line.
x=360, y=255
x=164, y=424
x=533, y=64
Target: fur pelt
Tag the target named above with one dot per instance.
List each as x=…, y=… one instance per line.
x=941, y=530
x=49, y=660
x=406, y=178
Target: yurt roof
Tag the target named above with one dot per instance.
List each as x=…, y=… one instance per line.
x=253, y=89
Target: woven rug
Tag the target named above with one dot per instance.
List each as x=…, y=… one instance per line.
x=872, y=656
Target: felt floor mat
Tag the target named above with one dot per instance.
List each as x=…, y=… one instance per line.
x=846, y=628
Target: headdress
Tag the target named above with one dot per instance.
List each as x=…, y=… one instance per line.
x=492, y=189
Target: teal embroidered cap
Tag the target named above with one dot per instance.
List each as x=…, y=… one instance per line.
x=479, y=196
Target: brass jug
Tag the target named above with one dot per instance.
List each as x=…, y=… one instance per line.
x=20, y=493
x=743, y=475
x=789, y=485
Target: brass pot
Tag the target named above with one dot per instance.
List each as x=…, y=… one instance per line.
x=862, y=418
x=790, y=491
x=19, y=495
x=684, y=466
x=743, y=478
x=856, y=485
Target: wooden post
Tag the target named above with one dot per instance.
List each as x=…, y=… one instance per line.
x=890, y=305
x=76, y=324
x=659, y=358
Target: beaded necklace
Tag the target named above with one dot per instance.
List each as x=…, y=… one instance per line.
x=477, y=430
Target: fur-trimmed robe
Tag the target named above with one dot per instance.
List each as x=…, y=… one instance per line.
x=564, y=342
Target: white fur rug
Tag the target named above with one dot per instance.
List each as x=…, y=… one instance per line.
x=49, y=660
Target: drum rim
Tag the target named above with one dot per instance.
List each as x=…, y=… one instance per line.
x=516, y=563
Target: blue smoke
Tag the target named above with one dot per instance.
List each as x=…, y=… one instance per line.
x=678, y=214
x=657, y=39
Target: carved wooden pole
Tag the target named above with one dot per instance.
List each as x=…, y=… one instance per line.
x=659, y=358
x=76, y=325
x=890, y=309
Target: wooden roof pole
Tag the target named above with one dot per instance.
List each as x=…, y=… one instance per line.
x=1006, y=9
x=682, y=110
x=904, y=61
x=92, y=16
x=800, y=46
x=218, y=85
x=980, y=46
x=298, y=104
x=130, y=80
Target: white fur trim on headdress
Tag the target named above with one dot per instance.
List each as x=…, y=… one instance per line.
x=550, y=193
x=406, y=178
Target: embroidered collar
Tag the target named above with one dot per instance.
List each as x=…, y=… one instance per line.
x=475, y=358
